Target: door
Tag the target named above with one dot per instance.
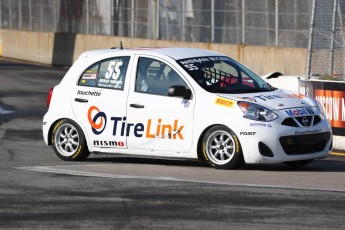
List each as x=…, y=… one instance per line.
x=157, y=122
x=99, y=99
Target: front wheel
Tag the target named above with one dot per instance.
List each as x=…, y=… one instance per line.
x=221, y=148
x=68, y=141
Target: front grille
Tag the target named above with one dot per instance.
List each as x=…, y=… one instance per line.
x=304, y=144
x=306, y=121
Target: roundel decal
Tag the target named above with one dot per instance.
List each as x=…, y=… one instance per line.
x=98, y=122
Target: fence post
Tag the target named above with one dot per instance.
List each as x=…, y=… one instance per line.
x=267, y=23
x=111, y=18
x=20, y=15
x=132, y=19
x=30, y=16
x=243, y=23
x=331, y=58
x=41, y=16
x=311, y=34
x=183, y=20
x=87, y=17
x=276, y=6
x=212, y=21
x=55, y=16
x=10, y=14
x=155, y=19
x=0, y=14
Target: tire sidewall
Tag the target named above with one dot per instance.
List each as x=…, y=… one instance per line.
x=237, y=159
x=82, y=150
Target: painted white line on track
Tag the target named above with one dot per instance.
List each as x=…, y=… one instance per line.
x=54, y=169
x=4, y=111
x=51, y=169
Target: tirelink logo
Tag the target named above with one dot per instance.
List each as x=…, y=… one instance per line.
x=152, y=129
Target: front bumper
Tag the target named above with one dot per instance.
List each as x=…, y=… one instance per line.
x=276, y=143
x=47, y=123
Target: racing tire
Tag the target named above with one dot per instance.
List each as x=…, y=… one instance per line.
x=68, y=141
x=221, y=148
x=298, y=164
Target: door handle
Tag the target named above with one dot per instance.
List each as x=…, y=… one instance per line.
x=82, y=100
x=137, y=106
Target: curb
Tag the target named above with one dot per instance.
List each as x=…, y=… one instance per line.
x=338, y=154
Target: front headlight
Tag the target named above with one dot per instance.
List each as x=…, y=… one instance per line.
x=256, y=112
x=322, y=109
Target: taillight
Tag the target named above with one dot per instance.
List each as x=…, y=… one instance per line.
x=50, y=94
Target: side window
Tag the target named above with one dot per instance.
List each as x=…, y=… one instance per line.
x=156, y=77
x=109, y=73
x=246, y=80
x=89, y=77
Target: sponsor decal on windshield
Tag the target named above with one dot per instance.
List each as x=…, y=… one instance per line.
x=190, y=63
x=225, y=102
x=150, y=129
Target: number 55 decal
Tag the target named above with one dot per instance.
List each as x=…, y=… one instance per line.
x=113, y=73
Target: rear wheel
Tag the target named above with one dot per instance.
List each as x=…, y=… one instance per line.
x=69, y=141
x=297, y=164
x=221, y=148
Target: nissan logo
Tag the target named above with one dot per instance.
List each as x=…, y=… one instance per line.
x=305, y=121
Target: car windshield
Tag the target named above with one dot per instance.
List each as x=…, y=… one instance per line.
x=221, y=74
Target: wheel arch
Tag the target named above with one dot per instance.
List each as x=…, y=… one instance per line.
x=51, y=130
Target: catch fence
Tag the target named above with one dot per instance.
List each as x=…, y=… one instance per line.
x=253, y=22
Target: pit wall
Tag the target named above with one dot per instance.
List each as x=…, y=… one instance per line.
x=64, y=49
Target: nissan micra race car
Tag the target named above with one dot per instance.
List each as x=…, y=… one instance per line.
x=179, y=102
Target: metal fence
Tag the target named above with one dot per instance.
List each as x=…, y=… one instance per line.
x=326, y=46
x=253, y=22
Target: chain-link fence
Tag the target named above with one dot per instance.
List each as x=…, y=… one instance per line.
x=326, y=47
x=253, y=22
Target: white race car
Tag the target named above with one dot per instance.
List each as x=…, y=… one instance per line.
x=180, y=102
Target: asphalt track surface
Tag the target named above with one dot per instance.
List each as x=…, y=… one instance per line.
x=39, y=191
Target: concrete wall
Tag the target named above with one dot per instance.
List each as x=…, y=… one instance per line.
x=63, y=49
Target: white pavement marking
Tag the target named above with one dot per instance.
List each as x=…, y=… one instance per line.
x=4, y=111
x=55, y=169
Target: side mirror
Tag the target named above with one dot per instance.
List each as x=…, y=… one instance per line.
x=271, y=75
x=179, y=91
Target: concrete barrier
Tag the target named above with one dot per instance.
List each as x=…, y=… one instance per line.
x=0, y=48
x=64, y=49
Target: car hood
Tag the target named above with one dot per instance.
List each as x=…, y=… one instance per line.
x=274, y=100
